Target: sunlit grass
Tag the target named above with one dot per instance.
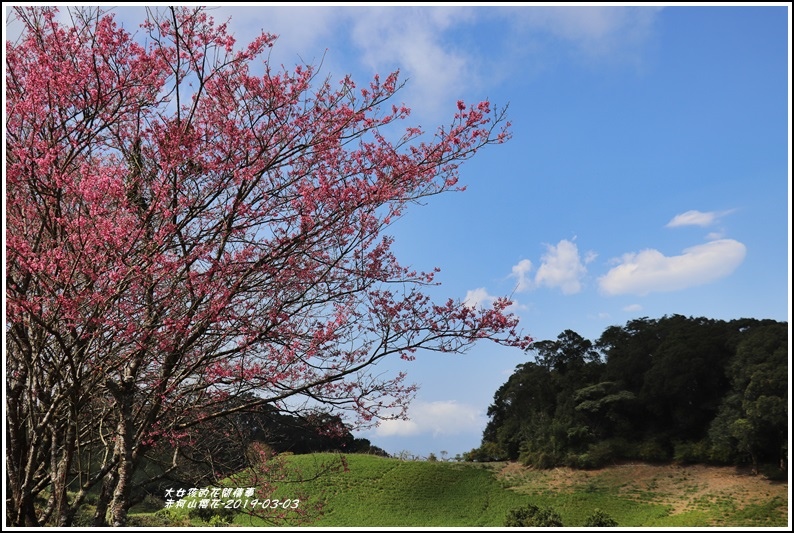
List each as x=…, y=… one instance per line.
x=382, y=492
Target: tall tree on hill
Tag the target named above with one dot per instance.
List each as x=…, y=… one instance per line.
x=185, y=225
x=627, y=350
x=522, y=405
x=686, y=381
x=753, y=417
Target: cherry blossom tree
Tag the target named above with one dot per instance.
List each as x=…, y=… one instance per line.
x=187, y=226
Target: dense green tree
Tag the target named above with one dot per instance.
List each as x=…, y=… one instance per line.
x=693, y=389
x=534, y=415
x=683, y=387
x=628, y=352
x=604, y=408
x=570, y=352
x=521, y=405
x=753, y=418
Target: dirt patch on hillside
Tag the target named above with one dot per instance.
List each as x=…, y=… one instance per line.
x=683, y=488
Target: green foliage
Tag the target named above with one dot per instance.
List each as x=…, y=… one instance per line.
x=487, y=452
x=652, y=450
x=598, y=454
x=170, y=516
x=533, y=516
x=152, y=520
x=218, y=521
x=538, y=459
x=693, y=452
x=753, y=419
x=213, y=516
x=688, y=389
x=600, y=519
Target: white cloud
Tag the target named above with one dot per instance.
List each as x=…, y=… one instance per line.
x=305, y=33
x=520, y=272
x=416, y=40
x=633, y=308
x=478, y=298
x=651, y=271
x=423, y=41
x=697, y=218
x=434, y=418
x=561, y=267
x=397, y=428
x=693, y=218
x=413, y=40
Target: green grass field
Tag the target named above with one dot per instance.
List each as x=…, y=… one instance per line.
x=381, y=492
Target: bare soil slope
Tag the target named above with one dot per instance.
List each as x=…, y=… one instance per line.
x=683, y=488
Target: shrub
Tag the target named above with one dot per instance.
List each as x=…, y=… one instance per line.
x=652, y=451
x=213, y=516
x=598, y=454
x=148, y=520
x=539, y=459
x=174, y=517
x=532, y=516
x=692, y=452
x=218, y=521
x=600, y=519
x=488, y=452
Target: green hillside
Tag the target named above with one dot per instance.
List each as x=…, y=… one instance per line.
x=377, y=491
x=381, y=492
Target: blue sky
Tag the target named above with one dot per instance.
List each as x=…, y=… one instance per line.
x=648, y=174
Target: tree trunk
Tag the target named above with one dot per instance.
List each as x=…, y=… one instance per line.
x=124, y=445
x=60, y=475
x=108, y=486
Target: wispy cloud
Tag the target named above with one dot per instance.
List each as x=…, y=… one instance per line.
x=696, y=218
x=597, y=31
x=424, y=42
x=304, y=33
x=413, y=40
x=633, y=308
x=434, y=418
x=651, y=271
x=561, y=267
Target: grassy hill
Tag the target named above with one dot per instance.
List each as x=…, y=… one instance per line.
x=381, y=492
x=390, y=492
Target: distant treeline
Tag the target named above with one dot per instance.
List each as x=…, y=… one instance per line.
x=675, y=388
x=227, y=445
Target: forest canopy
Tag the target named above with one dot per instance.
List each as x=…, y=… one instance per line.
x=675, y=388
